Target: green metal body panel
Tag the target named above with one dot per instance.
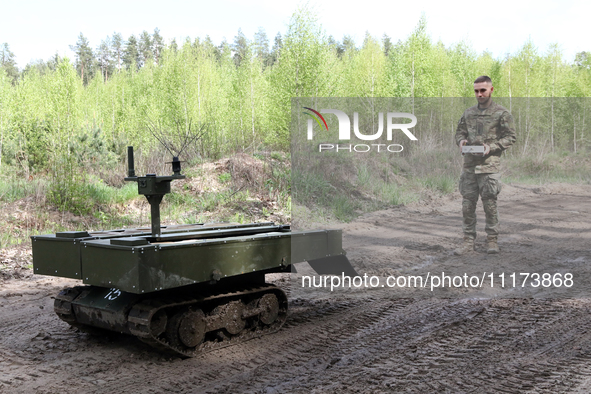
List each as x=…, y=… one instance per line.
x=310, y=245
x=57, y=256
x=144, y=264
x=104, y=308
x=153, y=267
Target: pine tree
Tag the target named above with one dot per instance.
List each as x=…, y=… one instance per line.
x=145, y=49
x=8, y=63
x=347, y=47
x=332, y=43
x=39, y=65
x=173, y=45
x=210, y=48
x=387, y=42
x=240, y=47
x=117, y=49
x=157, y=45
x=261, y=46
x=130, y=53
x=275, y=51
x=84, y=58
x=53, y=62
x=104, y=58
x=582, y=60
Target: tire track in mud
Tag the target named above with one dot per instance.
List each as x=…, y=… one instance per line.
x=23, y=318
x=378, y=344
x=384, y=340
x=95, y=363
x=314, y=327
x=346, y=347
x=312, y=344
x=453, y=358
x=449, y=351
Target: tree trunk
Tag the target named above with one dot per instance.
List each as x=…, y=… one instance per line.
x=575, y=133
x=552, y=123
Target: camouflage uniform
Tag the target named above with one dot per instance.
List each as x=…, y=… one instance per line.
x=480, y=176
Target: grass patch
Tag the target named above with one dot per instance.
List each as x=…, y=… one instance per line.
x=443, y=184
x=346, y=186
x=344, y=208
x=108, y=220
x=558, y=167
x=13, y=189
x=364, y=176
x=225, y=177
x=310, y=187
x=100, y=193
x=392, y=194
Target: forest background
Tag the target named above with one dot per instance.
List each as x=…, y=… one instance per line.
x=65, y=123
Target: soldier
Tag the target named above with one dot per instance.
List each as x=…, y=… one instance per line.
x=490, y=125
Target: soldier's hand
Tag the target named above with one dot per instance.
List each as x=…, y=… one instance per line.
x=486, y=149
x=462, y=143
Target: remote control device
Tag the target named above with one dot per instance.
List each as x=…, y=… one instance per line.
x=473, y=149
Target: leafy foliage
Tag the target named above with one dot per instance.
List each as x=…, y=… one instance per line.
x=242, y=91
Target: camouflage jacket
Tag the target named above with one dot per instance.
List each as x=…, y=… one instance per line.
x=492, y=126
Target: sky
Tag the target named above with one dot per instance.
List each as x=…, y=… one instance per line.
x=39, y=29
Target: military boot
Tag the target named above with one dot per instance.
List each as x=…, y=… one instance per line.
x=467, y=246
x=492, y=247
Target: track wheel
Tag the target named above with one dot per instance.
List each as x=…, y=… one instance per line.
x=63, y=304
x=186, y=328
x=270, y=308
x=232, y=317
x=158, y=323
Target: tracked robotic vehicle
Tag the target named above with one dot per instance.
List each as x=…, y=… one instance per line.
x=186, y=288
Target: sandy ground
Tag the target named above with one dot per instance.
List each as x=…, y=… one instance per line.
x=357, y=341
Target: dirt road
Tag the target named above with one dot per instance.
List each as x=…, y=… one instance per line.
x=364, y=341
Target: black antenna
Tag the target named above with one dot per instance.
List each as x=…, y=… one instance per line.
x=130, y=169
x=176, y=141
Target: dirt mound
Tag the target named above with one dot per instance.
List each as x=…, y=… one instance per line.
x=240, y=172
x=247, y=171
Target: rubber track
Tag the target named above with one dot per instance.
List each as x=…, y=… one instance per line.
x=140, y=326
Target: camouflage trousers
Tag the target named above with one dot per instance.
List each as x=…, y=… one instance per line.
x=487, y=186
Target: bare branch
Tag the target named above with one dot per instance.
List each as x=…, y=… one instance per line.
x=175, y=141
